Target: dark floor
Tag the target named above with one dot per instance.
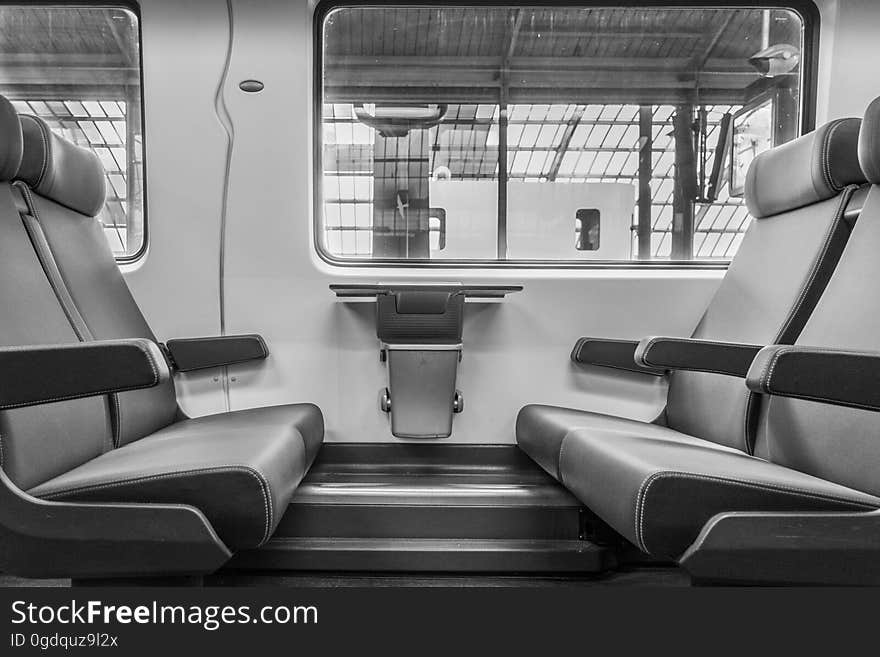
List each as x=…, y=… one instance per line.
x=665, y=577
x=640, y=577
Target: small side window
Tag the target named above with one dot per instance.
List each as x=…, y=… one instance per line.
x=437, y=229
x=586, y=229
x=78, y=68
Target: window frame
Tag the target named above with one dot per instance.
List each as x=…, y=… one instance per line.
x=134, y=7
x=805, y=9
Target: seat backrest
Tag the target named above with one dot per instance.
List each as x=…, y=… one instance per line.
x=64, y=186
x=832, y=442
x=37, y=443
x=797, y=194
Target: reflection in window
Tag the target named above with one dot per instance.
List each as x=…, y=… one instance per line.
x=78, y=68
x=513, y=119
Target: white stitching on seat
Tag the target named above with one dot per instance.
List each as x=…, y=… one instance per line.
x=747, y=445
x=44, y=138
x=647, y=350
x=771, y=365
x=261, y=480
x=97, y=393
x=767, y=376
x=826, y=156
x=119, y=426
x=688, y=341
x=746, y=483
x=559, y=457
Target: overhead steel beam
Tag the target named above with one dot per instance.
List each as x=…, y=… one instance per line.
x=562, y=33
x=570, y=126
x=484, y=75
x=682, y=64
x=69, y=76
x=599, y=94
x=61, y=59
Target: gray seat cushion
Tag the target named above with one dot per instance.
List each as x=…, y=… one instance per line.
x=660, y=492
x=541, y=429
x=240, y=469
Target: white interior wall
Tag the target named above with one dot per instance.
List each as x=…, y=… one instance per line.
x=848, y=78
x=176, y=284
x=275, y=284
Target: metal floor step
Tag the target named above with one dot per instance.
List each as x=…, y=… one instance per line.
x=429, y=508
x=426, y=555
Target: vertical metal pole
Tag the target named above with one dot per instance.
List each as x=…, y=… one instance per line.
x=516, y=19
x=646, y=146
x=502, y=177
x=685, y=184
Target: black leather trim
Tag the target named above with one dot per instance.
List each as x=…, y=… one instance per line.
x=43, y=374
x=608, y=352
x=12, y=142
x=694, y=355
x=832, y=376
x=188, y=354
x=135, y=486
x=667, y=495
x=821, y=272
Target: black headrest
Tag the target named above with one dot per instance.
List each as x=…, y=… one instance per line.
x=59, y=170
x=869, y=143
x=805, y=170
x=11, y=146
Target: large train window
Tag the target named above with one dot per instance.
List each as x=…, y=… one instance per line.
x=511, y=121
x=78, y=68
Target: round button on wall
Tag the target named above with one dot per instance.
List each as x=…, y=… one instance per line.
x=251, y=86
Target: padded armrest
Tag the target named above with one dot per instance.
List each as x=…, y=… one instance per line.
x=190, y=354
x=833, y=376
x=730, y=358
x=48, y=373
x=608, y=352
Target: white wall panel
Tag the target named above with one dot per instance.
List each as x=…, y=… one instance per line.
x=176, y=285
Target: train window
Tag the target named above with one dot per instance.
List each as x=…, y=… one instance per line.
x=78, y=68
x=586, y=229
x=511, y=119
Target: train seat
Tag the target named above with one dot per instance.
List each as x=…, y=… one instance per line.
x=238, y=469
x=799, y=194
x=816, y=448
